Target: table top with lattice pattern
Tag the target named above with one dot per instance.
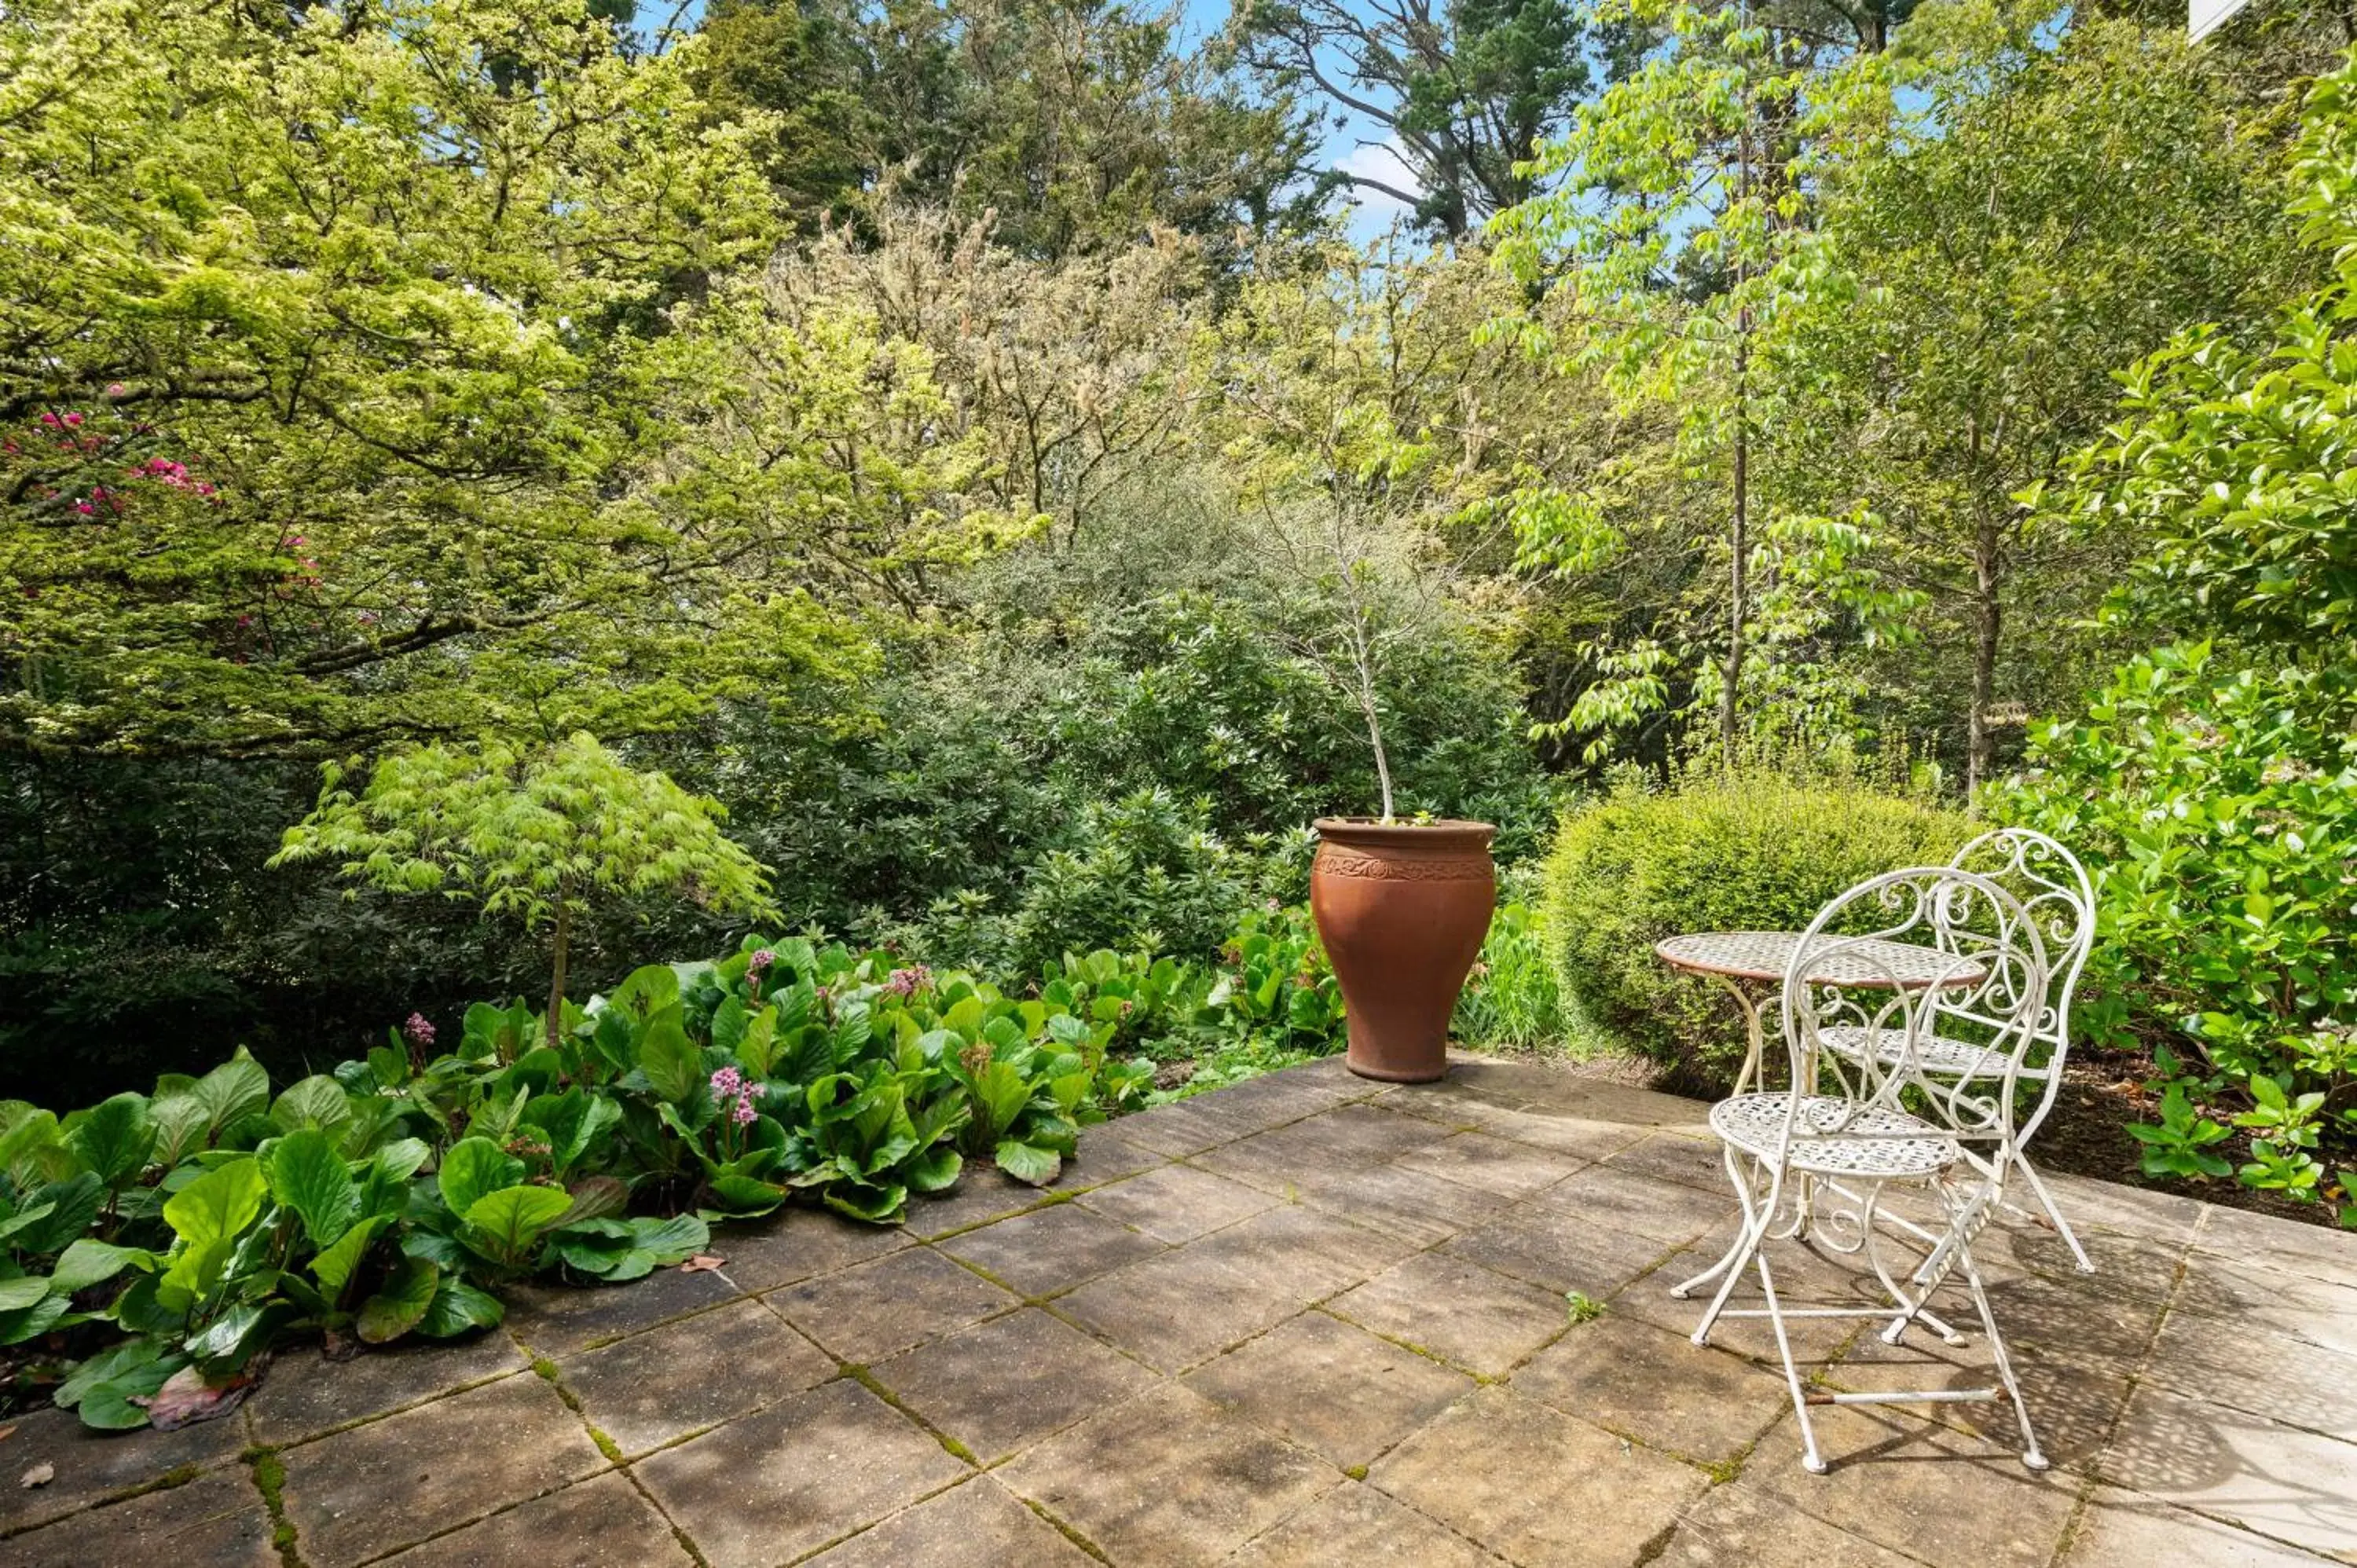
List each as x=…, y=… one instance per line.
x=1766, y=955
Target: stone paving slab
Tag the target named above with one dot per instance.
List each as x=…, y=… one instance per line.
x=603, y=1522
x=217, y=1518
x=657, y=1386
x=796, y=1476
x=1303, y=1321
x=367, y=1490
x=975, y=1523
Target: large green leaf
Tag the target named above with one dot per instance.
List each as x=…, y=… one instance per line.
x=31, y=1322
x=219, y=1204
x=615, y=1035
x=648, y=991
x=237, y=1334
x=103, y=1388
x=935, y=1170
x=181, y=1123
x=1000, y=1092
x=401, y=1303
x=515, y=1217
x=121, y=1361
x=757, y=1051
x=671, y=1241
x=670, y=1059
x=594, y=1198
x=32, y=1150
x=459, y=1307
x=1028, y=1162
x=620, y=1249
x=25, y=1219
x=374, y=1118
x=878, y=1205
x=233, y=1091
x=315, y=1102
x=742, y=1197
x=22, y=1292
x=333, y=1267
x=474, y=1168
x=402, y=1158
x=114, y=1138
x=308, y=1175
x=572, y=1122
x=189, y=1275
x=69, y=1207
x=90, y=1261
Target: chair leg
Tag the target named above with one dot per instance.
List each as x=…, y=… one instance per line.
x=2030, y=1455
x=1911, y=1309
x=1811, y=1460
x=1747, y=1247
x=2054, y=1213
x=1731, y=1257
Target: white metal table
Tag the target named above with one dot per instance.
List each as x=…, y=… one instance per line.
x=1751, y=965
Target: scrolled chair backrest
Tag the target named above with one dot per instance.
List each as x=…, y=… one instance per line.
x=1924, y=952
x=2052, y=886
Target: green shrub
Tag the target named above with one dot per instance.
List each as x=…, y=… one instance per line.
x=1756, y=850
x=2216, y=806
x=1512, y=999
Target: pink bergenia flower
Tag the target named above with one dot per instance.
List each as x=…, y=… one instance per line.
x=418, y=1031
x=909, y=980
x=727, y=1082
x=744, y=1113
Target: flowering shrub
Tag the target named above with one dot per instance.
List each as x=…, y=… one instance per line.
x=395, y=1195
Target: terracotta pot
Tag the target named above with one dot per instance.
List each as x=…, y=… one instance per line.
x=1402, y=909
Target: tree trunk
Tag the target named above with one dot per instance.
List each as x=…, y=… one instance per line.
x=1382, y=762
x=1980, y=749
x=1739, y=546
x=1739, y=529
x=556, y=975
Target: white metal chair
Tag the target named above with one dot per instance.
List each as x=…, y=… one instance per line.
x=2049, y=883
x=1874, y=1119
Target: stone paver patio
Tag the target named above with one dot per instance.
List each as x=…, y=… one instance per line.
x=1307, y=1320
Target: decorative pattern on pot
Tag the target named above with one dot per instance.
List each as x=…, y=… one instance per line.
x=1402, y=908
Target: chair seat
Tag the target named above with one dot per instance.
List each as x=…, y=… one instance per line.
x=1935, y=1055
x=1875, y=1144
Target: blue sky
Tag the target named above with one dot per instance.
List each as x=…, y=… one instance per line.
x=1353, y=145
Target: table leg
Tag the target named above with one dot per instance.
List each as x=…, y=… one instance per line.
x=1755, y=1039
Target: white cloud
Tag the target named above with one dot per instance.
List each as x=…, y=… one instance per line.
x=1372, y=210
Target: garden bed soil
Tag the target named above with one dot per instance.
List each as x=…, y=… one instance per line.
x=2103, y=1096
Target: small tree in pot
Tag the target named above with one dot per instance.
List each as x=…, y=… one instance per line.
x=1402, y=907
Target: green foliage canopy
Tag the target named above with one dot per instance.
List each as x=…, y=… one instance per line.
x=528, y=835
x=337, y=337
